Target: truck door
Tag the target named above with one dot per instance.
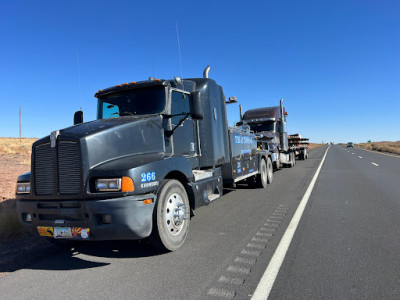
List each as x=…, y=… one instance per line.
x=184, y=141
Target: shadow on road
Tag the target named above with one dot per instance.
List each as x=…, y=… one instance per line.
x=43, y=255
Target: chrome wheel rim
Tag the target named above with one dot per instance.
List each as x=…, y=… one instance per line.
x=175, y=212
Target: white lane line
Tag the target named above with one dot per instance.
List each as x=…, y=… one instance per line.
x=375, y=164
x=360, y=156
x=268, y=279
x=352, y=153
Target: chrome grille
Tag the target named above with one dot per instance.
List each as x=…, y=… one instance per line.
x=69, y=170
x=44, y=170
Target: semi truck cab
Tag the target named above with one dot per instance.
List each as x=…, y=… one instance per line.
x=158, y=150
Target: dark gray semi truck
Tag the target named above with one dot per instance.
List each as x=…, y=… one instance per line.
x=158, y=150
x=269, y=125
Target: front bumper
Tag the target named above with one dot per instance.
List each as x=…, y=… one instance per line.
x=108, y=219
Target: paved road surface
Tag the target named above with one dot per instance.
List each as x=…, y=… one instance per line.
x=345, y=246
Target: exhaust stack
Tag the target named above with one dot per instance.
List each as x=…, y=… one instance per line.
x=206, y=71
x=282, y=115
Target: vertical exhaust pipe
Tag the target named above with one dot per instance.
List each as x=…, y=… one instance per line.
x=206, y=71
x=282, y=137
x=281, y=104
x=240, y=112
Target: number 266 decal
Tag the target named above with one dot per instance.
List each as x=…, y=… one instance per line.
x=149, y=176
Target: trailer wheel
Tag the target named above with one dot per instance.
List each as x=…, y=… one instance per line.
x=270, y=170
x=305, y=154
x=171, y=216
x=266, y=174
x=292, y=162
x=278, y=163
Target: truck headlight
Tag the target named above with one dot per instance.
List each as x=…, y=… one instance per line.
x=124, y=184
x=23, y=188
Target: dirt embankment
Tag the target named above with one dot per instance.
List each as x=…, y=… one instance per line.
x=313, y=146
x=15, y=156
x=389, y=147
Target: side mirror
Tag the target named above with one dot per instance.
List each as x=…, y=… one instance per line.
x=78, y=117
x=195, y=106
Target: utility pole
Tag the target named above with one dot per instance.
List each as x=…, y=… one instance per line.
x=20, y=125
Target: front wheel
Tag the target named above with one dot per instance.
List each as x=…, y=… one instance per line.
x=171, y=216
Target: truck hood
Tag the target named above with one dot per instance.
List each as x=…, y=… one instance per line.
x=108, y=140
x=102, y=141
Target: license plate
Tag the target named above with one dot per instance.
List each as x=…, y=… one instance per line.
x=65, y=232
x=62, y=232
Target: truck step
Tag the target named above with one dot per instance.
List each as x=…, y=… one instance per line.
x=212, y=197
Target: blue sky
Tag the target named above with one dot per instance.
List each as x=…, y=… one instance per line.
x=335, y=63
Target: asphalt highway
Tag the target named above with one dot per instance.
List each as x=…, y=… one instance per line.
x=345, y=246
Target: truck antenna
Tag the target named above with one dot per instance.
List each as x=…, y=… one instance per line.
x=179, y=48
x=79, y=80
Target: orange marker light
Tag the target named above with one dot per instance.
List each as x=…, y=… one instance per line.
x=147, y=201
x=127, y=184
x=125, y=84
x=118, y=85
x=100, y=91
x=133, y=82
x=157, y=80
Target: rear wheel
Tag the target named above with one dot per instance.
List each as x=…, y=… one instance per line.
x=270, y=170
x=266, y=173
x=292, y=161
x=278, y=162
x=171, y=216
x=302, y=155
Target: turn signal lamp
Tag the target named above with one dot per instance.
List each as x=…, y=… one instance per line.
x=127, y=184
x=147, y=201
x=124, y=184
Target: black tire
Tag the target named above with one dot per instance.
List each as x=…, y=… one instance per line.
x=270, y=171
x=278, y=164
x=292, y=160
x=302, y=155
x=171, y=216
x=262, y=177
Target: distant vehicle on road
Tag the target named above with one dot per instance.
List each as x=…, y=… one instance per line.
x=269, y=125
x=350, y=144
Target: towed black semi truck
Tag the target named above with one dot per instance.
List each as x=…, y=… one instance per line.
x=269, y=125
x=158, y=150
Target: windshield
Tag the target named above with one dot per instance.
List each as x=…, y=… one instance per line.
x=265, y=126
x=132, y=103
